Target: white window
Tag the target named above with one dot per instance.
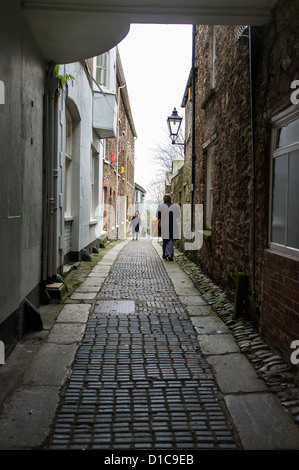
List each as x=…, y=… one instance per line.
x=102, y=70
x=68, y=165
x=209, y=186
x=284, y=218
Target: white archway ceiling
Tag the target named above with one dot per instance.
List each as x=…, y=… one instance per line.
x=72, y=30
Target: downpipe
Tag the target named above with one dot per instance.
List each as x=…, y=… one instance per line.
x=45, y=189
x=50, y=182
x=253, y=175
x=55, y=191
x=193, y=125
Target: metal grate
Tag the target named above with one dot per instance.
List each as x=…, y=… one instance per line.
x=125, y=307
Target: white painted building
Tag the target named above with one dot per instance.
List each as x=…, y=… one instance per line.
x=88, y=114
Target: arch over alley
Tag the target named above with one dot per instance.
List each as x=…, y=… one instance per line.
x=76, y=31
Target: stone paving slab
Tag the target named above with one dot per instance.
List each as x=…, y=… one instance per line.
x=26, y=416
x=66, y=333
x=83, y=295
x=262, y=423
x=199, y=310
x=235, y=374
x=86, y=290
x=74, y=313
x=192, y=300
x=217, y=344
x=93, y=280
x=51, y=365
x=209, y=325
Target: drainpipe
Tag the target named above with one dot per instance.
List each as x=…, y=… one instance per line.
x=55, y=190
x=45, y=189
x=49, y=185
x=117, y=151
x=193, y=126
x=253, y=238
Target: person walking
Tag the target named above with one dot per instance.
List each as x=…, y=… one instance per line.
x=135, y=225
x=168, y=215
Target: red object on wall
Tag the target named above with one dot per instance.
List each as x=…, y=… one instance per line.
x=112, y=157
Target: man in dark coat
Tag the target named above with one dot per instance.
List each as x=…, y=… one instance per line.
x=168, y=215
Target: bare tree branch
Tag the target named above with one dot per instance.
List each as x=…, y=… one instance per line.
x=156, y=191
x=164, y=154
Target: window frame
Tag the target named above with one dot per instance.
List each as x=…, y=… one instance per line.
x=94, y=183
x=103, y=69
x=277, y=122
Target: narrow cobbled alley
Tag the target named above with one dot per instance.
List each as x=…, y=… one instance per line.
x=139, y=380
x=138, y=359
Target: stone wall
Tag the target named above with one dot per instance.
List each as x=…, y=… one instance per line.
x=223, y=119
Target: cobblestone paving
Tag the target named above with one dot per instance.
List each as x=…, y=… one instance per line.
x=139, y=380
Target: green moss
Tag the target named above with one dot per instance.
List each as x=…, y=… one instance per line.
x=75, y=277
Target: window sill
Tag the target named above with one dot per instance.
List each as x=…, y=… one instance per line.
x=93, y=221
x=284, y=251
x=68, y=218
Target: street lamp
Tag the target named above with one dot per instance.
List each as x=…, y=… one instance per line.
x=174, y=123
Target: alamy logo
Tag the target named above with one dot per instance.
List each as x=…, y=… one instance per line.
x=2, y=92
x=2, y=353
x=295, y=354
x=295, y=94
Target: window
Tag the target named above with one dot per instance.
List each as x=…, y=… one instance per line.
x=68, y=165
x=105, y=191
x=102, y=69
x=209, y=187
x=284, y=219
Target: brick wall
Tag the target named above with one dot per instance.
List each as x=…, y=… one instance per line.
x=277, y=273
x=124, y=145
x=280, y=300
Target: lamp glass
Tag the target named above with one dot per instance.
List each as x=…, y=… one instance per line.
x=174, y=123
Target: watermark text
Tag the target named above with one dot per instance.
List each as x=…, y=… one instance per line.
x=2, y=92
x=2, y=353
x=295, y=94
x=176, y=220
x=295, y=353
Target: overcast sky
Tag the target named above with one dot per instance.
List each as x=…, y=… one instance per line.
x=156, y=60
